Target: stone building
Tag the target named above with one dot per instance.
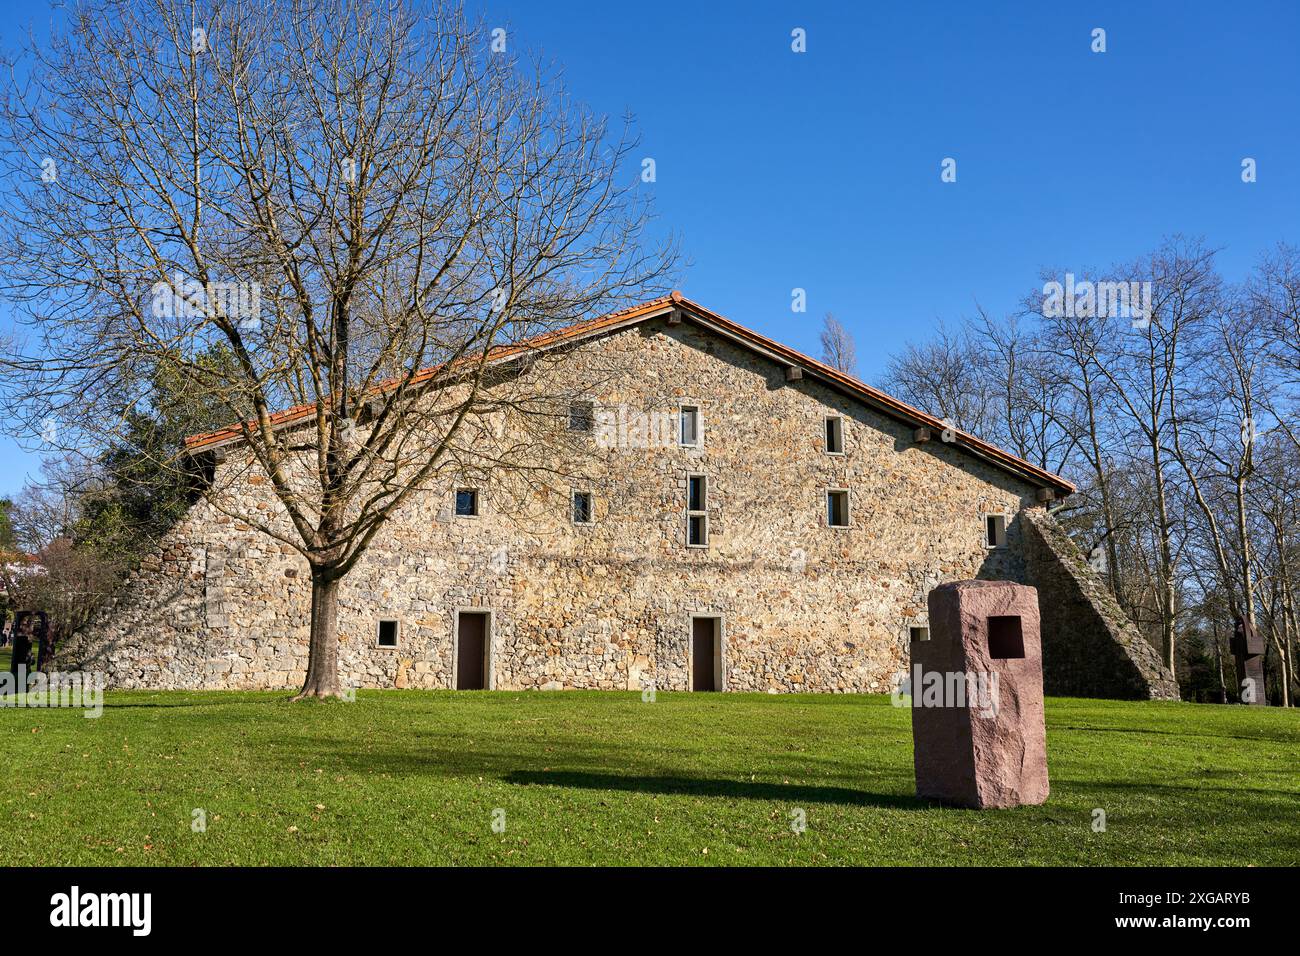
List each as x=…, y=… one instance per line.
x=753, y=520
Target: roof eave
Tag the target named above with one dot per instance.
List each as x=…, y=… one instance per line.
x=878, y=400
x=197, y=444
x=769, y=348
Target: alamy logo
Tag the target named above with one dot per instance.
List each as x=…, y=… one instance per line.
x=622, y=427
x=976, y=690
x=75, y=908
x=182, y=298
x=84, y=689
x=1116, y=300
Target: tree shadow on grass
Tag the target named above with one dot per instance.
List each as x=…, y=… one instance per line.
x=428, y=755
x=1284, y=735
x=176, y=705
x=435, y=753
x=700, y=787
x=1237, y=801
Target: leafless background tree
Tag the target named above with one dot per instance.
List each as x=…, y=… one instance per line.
x=838, y=350
x=944, y=376
x=357, y=207
x=1180, y=431
x=41, y=568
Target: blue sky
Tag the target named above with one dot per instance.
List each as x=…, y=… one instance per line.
x=821, y=170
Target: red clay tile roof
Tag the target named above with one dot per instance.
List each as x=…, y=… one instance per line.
x=782, y=353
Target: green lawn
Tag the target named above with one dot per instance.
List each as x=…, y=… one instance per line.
x=411, y=777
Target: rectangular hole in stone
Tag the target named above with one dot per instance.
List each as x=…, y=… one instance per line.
x=837, y=509
x=834, y=435
x=996, y=531
x=919, y=633
x=1005, y=637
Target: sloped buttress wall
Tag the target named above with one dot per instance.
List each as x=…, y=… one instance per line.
x=1090, y=648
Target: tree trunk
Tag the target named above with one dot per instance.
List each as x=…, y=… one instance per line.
x=1112, y=550
x=1167, y=610
x=1293, y=630
x=323, y=655
x=1286, y=666
x=1218, y=665
x=1288, y=608
x=1107, y=508
x=1245, y=551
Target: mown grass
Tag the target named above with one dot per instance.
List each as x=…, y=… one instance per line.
x=412, y=777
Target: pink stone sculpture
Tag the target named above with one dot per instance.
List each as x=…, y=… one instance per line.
x=990, y=749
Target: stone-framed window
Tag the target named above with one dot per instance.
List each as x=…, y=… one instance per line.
x=581, y=510
x=388, y=633
x=697, y=511
x=837, y=508
x=582, y=415
x=918, y=632
x=995, y=531
x=690, y=430
x=834, y=434
x=467, y=503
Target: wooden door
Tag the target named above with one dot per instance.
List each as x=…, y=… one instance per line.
x=471, y=651
x=704, y=653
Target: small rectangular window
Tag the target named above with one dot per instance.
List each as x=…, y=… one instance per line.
x=995, y=531
x=834, y=435
x=697, y=530
x=582, y=416
x=582, y=507
x=837, y=509
x=697, y=518
x=697, y=493
x=919, y=633
x=690, y=430
x=387, y=634
x=467, y=502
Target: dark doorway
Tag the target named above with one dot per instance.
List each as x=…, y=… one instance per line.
x=473, y=631
x=706, y=654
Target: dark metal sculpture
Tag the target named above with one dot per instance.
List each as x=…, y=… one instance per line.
x=22, y=643
x=1248, y=649
x=44, y=642
x=29, y=636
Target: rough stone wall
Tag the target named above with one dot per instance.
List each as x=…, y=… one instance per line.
x=1090, y=648
x=804, y=607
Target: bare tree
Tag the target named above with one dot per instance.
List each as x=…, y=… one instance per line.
x=1277, y=500
x=1179, y=427
x=944, y=376
x=372, y=206
x=48, y=572
x=1214, y=422
x=1072, y=344
x=1274, y=295
x=1028, y=409
x=838, y=350
x=1143, y=364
